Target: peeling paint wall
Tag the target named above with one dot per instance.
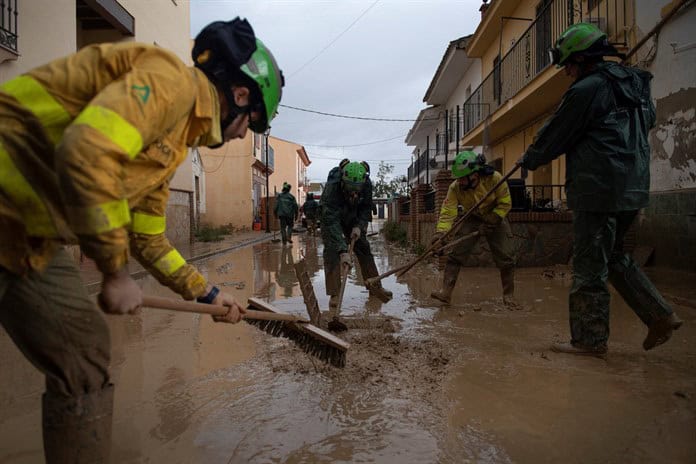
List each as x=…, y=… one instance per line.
x=672, y=60
x=668, y=224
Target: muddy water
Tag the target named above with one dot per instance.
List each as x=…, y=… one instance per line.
x=472, y=382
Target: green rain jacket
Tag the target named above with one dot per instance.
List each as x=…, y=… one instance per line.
x=602, y=126
x=338, y=215
x=286, y=205
x=310, y=208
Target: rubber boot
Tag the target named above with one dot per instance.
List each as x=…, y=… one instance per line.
x=574, y=348
x=661, y=331
x=78, y=430
x=448, y=282
x=368, y=269
x=507, y=279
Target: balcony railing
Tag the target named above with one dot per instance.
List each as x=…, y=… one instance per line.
x=542, y=197
x=528, y=57
x=8, y=25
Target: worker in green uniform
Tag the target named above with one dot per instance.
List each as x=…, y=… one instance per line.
x=310, y=208
x=474, y=179
x=287, y=211
x=346, y=212
x=602, y=126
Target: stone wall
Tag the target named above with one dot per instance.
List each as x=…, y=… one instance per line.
x=668, y=225
x=179, y=217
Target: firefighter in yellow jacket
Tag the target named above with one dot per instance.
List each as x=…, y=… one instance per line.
x=88, y=146
x=473, y=179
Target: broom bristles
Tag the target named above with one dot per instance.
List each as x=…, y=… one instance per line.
x=304, y=340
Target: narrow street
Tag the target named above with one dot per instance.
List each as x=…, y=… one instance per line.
x=473, y=382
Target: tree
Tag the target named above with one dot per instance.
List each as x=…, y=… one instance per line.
x=384, y=184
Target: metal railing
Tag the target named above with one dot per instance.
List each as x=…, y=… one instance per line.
x=405, y=208
x=429, y=202
x=542, y=197
x=8, y=24
x=528, y=57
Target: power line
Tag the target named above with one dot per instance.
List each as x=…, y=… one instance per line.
x=334, y=40
x=364, y=118
x=355, y=145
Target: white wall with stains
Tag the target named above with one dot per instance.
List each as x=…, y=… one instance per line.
x=671, y=57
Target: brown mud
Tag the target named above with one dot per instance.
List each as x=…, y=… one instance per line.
x=468, y=382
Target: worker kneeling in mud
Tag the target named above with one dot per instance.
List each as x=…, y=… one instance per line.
x=473, y=179
x=88, y=146
x=346, y=211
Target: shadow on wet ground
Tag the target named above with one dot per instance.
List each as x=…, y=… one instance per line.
x=470, y=382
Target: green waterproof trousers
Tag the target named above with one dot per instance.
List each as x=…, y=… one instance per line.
x=597, y=257
x=500, y=242
x=60, y=330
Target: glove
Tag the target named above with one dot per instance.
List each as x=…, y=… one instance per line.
x=491, y=221
x=345, y=260
x=235, y=312
x=355, y=233
x=436, y=236
x=120, y=294
x=522, y=162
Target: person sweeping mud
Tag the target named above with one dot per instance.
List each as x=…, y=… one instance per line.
x=473, y=179
x=602, y=126
x=88, y=145
x=346, y=212
x=286, y=210
x=310, y=208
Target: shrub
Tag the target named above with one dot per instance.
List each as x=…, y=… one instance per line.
x=208, y=233
x=395, y=232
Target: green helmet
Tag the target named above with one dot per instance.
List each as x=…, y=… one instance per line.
x=575, y=39
x=354, y=176
x=467, y=163
x=228, y=52
x=263, y=69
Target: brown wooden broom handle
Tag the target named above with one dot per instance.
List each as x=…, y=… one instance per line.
x=160, y=302
x=439, y=243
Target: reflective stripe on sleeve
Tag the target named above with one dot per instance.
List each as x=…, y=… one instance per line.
x=33, y=96
x=114, y=127
x=170, y=263
x=34, y=213
x=147, y=224
x=99, y=218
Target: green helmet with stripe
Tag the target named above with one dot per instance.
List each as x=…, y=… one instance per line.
x=229, y=53
x=354, y=176
x=263, y=70
x=466, y=163
x=576, y=39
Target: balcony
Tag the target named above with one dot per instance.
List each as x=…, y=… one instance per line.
x=528, y=59
x=8, y=30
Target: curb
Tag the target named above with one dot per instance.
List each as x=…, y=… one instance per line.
x=93, y=287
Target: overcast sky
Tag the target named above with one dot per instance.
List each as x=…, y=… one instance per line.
x=379, y=67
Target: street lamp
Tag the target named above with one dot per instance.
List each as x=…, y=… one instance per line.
x=268, y=196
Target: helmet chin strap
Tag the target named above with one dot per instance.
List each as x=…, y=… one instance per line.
x=233, y=110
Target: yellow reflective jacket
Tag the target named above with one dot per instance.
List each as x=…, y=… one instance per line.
x=88, y=146
x=499, y=202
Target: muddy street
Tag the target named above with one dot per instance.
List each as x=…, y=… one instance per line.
x=471, y=382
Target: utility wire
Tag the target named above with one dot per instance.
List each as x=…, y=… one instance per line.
x=355, y=145
x=333, y=41
x=364, y=118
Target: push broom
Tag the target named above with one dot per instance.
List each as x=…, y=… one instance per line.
x=266, y=317
x=439, y=244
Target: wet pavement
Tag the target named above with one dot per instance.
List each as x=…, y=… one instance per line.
x=471, y=382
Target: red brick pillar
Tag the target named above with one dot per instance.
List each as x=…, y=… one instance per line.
x=418, y=210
